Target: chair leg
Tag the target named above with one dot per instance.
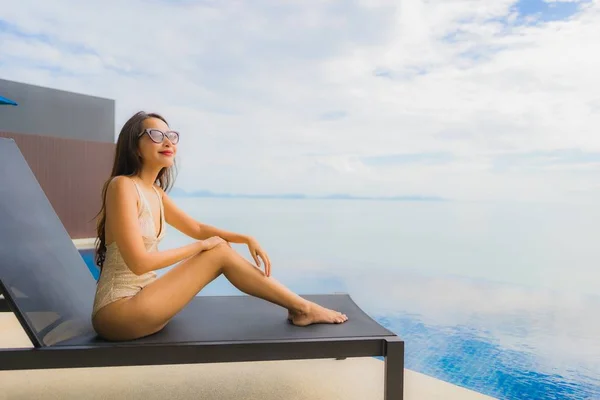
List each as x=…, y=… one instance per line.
x=394, y=369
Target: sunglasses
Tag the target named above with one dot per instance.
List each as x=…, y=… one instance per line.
x=157, y=136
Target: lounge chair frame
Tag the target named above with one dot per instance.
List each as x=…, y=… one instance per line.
x=131, y=354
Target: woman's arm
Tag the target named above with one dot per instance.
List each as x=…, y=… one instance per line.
x=181, y=221
x=121, y=217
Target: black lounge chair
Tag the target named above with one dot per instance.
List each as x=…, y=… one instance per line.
x=47, y=285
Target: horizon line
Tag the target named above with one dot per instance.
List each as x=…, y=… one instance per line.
x=178, y=192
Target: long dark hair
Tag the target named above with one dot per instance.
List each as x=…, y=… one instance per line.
x=128, y=162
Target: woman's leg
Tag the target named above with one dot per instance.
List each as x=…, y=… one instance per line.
x=151, y=309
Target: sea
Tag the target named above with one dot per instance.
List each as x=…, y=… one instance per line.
x=500, y=298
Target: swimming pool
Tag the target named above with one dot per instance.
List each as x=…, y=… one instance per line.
x=88, y=257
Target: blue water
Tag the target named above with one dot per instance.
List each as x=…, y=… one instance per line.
x=88, y=257
x=498, y=298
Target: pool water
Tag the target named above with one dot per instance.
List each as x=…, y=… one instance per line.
x=88, y=257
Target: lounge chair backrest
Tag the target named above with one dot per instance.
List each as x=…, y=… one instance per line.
x=42, y=273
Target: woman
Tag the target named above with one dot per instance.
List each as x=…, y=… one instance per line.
x=131, y=301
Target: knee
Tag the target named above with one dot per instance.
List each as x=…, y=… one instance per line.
x=221, y=251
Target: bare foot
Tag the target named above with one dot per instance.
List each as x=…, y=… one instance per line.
x=317, y=315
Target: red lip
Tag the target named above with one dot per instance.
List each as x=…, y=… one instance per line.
x=167, y=153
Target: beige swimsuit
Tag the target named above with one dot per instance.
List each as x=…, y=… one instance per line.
x=116, y=279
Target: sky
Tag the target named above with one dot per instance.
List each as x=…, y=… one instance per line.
x=462, y=99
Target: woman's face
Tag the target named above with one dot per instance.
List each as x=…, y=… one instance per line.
x=160, y=154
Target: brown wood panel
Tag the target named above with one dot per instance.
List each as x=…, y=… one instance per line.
x=71, y=172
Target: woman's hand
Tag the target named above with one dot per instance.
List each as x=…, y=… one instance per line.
x=258, y=254
x=212, y=242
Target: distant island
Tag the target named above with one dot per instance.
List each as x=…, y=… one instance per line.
x=178, y=192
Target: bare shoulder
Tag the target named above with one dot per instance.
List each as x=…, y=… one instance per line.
x=121, y=207
x=120, y=187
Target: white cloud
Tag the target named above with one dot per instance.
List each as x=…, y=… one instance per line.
x=248, y=84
